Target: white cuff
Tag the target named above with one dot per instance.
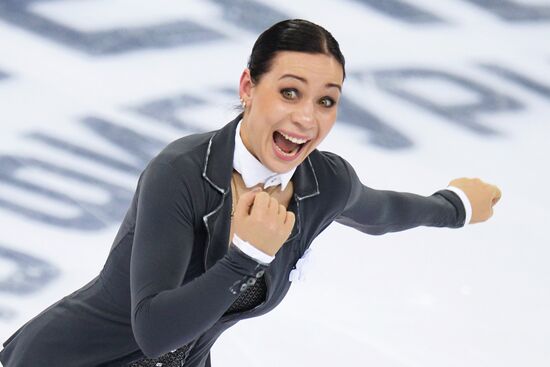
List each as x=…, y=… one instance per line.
x=251, y=251
x=465, y=202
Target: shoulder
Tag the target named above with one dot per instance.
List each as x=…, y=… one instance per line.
x=174, y=175
x=335, y=176
x=185, y=154
x=330, y=164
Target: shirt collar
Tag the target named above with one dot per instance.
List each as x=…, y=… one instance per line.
x=253, y=171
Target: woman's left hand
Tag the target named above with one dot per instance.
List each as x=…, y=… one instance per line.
x=482, y=196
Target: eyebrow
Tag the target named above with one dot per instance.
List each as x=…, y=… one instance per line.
x=305, y=81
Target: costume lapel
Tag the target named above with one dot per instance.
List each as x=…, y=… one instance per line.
x=217, y=170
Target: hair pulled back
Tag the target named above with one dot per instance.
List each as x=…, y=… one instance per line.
x=291, y=35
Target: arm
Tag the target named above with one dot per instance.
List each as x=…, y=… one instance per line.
x=380, y=211
x=164, y=314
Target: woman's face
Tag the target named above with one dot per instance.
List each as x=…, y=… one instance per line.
x=297, y=99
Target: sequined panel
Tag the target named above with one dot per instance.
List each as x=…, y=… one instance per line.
x=250, y=298
x=171, y=359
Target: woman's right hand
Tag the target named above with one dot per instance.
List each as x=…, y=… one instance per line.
x=260, y=220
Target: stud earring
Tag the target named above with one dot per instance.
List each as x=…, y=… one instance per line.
x=243, y=103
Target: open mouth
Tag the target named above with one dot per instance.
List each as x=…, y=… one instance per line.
x=288, y=146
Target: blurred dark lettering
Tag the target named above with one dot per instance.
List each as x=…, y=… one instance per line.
x=107, y=42
x=380, y=133
x=250, y=15
x=165, y=110
x=519, y=79
x=515, y=11
x=30, y=275
x=402, y=10
x=465, y=114
x=90, y=215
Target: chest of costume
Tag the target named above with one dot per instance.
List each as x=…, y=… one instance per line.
x=216, y=232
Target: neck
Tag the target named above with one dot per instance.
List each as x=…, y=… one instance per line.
x=244, y=138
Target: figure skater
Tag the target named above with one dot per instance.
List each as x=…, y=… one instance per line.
x=219, y=220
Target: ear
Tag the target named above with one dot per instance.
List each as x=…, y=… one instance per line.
x=246, y=86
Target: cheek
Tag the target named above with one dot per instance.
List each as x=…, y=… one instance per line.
x=266, y=100
x=267, y=113
x=326, y=127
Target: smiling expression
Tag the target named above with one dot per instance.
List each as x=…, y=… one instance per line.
x=296, y=100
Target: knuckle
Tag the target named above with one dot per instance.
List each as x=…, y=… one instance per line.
x=258, y=217
x=272, y=226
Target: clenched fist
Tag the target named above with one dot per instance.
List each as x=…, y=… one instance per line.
x=262, y=221
x=482, y=197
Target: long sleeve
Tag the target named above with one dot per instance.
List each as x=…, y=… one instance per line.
x=166, y=315
x=380, y=211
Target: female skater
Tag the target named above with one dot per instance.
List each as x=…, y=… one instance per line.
x=219, y=220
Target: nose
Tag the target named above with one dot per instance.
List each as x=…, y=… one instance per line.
x=304, y=114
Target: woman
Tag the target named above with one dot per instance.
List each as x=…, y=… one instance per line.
x=219, y=219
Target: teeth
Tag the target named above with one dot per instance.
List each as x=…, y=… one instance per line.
x=292, y=139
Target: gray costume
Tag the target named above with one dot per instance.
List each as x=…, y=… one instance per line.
x=170, y=277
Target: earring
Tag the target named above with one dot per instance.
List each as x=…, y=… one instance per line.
x=243, y=103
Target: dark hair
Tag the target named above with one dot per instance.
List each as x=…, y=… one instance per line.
x=291, y=35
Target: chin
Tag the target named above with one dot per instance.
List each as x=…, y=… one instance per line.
x=281, y=167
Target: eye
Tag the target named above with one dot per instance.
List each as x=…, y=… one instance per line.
x=327, y=102
x=289, y=93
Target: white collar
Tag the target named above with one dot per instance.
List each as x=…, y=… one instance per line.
x=253, y=171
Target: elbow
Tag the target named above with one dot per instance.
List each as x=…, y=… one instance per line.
x=144, y=336
x=152, y=354
x=151, y=346
x=371, y=229
x=375, y=232
x=144, y=341
x=149, y=351
x=155, y=336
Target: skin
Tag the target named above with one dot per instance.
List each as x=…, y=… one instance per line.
x=305, y=107
x=482, y=197
x=299, y=95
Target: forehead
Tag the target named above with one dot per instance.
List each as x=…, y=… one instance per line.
x=319, y=68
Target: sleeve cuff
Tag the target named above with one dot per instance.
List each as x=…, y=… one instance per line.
x=465, y=202
x=252, y=251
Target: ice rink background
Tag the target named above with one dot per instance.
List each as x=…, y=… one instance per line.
x=91, y=90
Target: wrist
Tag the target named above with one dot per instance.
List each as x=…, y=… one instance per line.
x=252, y=251
x=465, y=202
